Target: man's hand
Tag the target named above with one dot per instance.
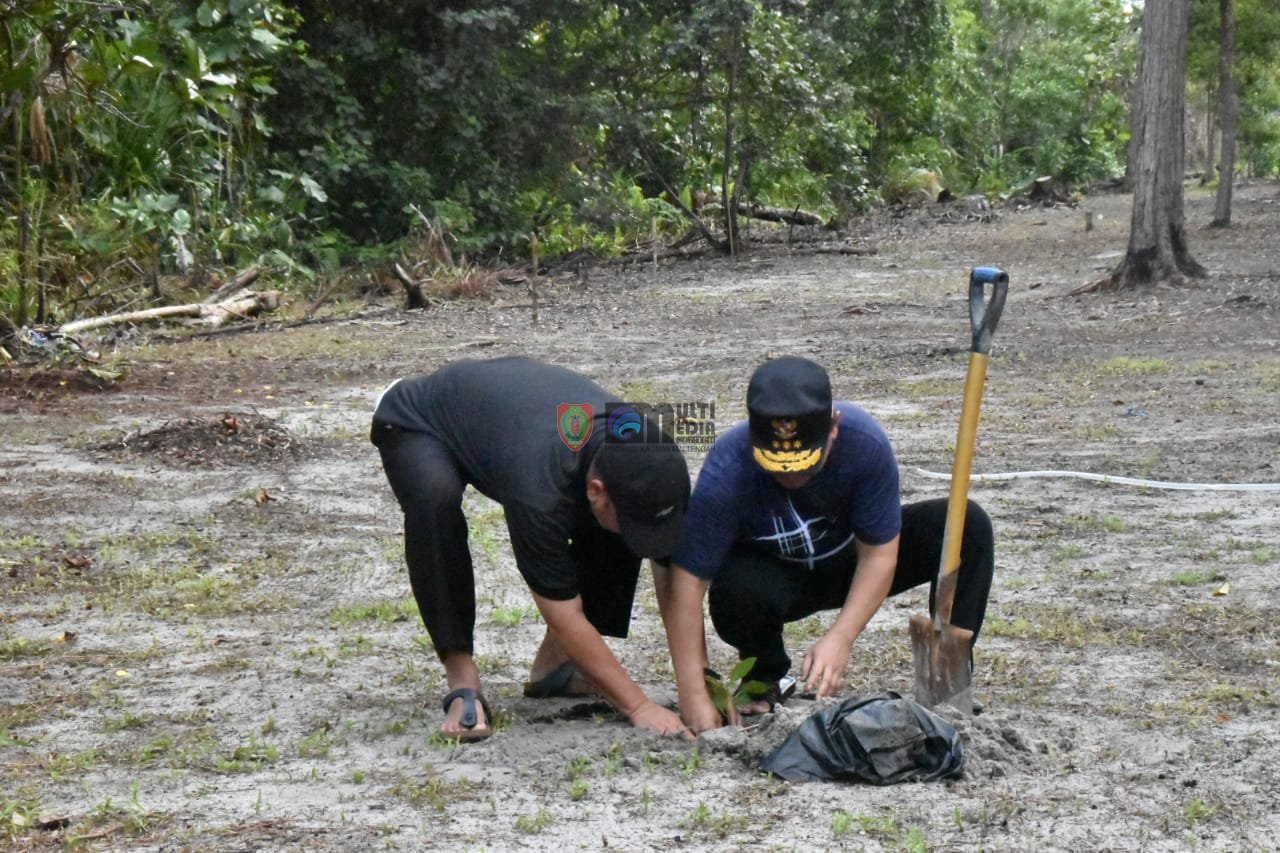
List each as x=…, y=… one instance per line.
x=824, y=663
x=701, y=713
x=653, y=717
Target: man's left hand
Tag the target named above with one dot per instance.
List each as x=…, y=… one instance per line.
x=824, y=663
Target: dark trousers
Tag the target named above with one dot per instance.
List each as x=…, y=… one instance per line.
x=756, y=594
x=429, y=484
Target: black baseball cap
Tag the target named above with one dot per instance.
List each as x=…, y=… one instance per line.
x=789, y=410
x=648, y=483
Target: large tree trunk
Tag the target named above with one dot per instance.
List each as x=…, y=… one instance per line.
x=1135, y=124
x=728, y=191
x=1157, y=231
x=1210, y=136
x=1228, y=110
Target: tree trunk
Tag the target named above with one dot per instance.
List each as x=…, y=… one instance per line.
x=1157, y=231
x=1135, y=122
x=1228, y=111
x=1211, y=137
x=728, y=195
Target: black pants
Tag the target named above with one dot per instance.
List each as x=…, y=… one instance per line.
x=428, y=483
x=756, y=594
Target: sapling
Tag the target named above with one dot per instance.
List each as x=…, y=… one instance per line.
x=731, y=695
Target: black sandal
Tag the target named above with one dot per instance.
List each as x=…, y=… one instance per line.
x=469, y=720
x=776, y=693
x=557, y=684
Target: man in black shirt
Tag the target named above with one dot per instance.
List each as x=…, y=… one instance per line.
x=581, y=511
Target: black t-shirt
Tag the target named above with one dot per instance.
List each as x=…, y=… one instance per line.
x=501, y=420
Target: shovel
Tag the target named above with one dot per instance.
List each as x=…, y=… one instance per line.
x=941, y=650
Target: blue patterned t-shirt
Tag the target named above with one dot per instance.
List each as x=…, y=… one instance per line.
x=854, y=497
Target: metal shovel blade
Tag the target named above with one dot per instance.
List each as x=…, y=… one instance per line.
x=942, y=664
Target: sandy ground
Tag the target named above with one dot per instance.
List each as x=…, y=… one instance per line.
x=207, y=640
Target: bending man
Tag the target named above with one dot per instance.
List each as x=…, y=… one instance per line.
x=581, y=512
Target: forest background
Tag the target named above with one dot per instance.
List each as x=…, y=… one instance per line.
x=152, y=148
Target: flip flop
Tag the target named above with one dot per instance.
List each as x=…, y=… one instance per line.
x=556, y=684
x=469, y=720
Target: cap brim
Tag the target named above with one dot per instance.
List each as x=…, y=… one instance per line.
x=788, y=461
x=653, y=541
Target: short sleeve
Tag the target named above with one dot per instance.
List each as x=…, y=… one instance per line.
x=712, y=520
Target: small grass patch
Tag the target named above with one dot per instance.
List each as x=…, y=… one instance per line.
x=577, y=768
x=925, y=388
x=248, y=758
x=1208, y=365
x=1221, y=694
x=1070, y=551
x=1264, y=555
x=1270, y=379
x=534, y=823
x=808, y=628
x=21, y=648
x=1063, y=626
x=1096, y=432
x=316, y=744
x=1106, y=523
x=1128, y=366
x=69, y=765
x=643, y=391
x=384, y=612
x=1196, y=578
x=512, y=615
x=1198, y=811
x=883, y=829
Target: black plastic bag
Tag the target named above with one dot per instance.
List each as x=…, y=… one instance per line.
x=877, y=739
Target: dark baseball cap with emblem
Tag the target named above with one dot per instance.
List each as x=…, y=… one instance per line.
x=648, y=482
x=789, y=410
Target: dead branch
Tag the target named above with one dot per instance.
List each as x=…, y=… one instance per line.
x=245, y=303
x=235, y=284
x=794, y=216
x=413, y=295
x=436, y=238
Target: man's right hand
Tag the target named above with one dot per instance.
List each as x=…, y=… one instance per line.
x=653, y=717
x=701, y=714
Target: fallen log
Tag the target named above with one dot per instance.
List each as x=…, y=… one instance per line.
x=246, y=303
x=790, y=216
x=235, y=284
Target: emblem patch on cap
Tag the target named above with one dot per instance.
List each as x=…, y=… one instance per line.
x=785, y=428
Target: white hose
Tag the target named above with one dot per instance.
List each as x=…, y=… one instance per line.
x=1108, y=478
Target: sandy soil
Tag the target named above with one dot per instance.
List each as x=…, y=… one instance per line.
x=207, y=639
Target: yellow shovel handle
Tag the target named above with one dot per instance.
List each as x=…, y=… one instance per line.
x=958, y=501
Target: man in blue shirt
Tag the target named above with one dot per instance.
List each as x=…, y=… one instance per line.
x=796, y=511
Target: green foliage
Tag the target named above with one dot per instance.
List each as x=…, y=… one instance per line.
x=737, y=692
x=1037, y=87
x=180, y=137
x=139, y=131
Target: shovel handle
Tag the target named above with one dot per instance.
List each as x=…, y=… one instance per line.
x=984, y=314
